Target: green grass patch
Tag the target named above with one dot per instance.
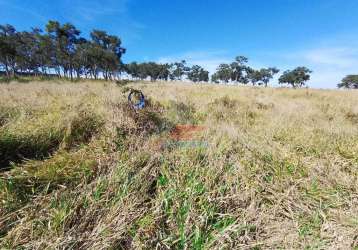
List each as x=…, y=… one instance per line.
x=42, y=177
x=39, y=137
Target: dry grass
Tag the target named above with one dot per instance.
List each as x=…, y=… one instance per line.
x=274, y=168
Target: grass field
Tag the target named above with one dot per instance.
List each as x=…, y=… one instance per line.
x=270, y=168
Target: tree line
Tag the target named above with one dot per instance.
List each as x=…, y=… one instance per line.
x=60, y=50
x=239, y=72
x=177, y=71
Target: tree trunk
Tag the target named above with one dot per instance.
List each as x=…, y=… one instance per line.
x=7, y=70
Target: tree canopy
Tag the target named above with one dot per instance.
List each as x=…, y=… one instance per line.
x=349, y=82
x=239, y=72
x=60, y=50
x=296, y=78
x=174, y=71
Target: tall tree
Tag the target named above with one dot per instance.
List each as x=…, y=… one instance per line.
x=179, y=69
x=296, y=78
x=223, y=73
x=349, y=82
x=64, y=38
x=239, y=70
x=60, y=50
x=8, y=40
x=262, y=76
x=111, y=52
x=198, y=74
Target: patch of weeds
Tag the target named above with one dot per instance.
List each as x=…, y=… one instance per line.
x=143, y=229
x=306, y=150
x=224, y=109
x=268, y=178
x=60, y=209
x=224, y=223
x=12, y=195
x=280, y=168
x=196, y=155
x=122, y=83
x=251, y=116
x=126, y=89
x=145, y=121
x=162, y=180
x=121, y=139
x=346, y=151
x=168, y=200
x=7, y=114
x=42, y=177
x=310, y=225
x=181, y=113
x=264, y=106
x=226, y=102
x=319, y=195
x=200, y=238
x=182, y=214
x=5, y=79
x=100, y=189
x=352, y=117
x=22, y=80
x=82, y=128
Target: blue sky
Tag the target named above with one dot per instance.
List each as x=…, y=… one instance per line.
x=320, y=34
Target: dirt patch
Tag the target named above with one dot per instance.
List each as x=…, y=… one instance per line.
x=186, y=132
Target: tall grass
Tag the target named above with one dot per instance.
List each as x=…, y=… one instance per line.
x=278, y=168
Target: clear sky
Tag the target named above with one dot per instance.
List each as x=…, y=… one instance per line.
x=320, y=34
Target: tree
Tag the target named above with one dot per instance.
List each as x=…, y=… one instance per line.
x=296, y=78
x=109, y=47
x=254, y=76
x=27, y=51
x=198, y=74
x=215, y=78
x=60, y=50
x=262, y=76
x=204, y=75
x=46, y=53
x=64, y=39
x=268, y=74
x=349, y=82
x=223, y=73
x=178, y=70
x=239, y=70
x=236, y=71
x=8, y=48
x=132, y=69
